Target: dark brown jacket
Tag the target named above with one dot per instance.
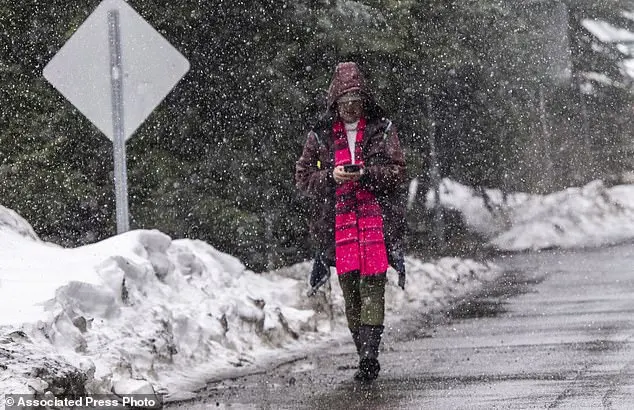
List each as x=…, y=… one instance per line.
x=384, y=176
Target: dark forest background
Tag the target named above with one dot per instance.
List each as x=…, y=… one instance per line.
x=514, y=95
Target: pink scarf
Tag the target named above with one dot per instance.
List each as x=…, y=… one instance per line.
x=359, y=240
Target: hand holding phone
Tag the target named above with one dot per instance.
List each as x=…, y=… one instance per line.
x=347, y=173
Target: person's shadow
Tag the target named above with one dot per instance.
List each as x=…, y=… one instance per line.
x=352, y=395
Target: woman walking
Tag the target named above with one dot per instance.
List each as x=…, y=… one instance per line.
x=353, y=167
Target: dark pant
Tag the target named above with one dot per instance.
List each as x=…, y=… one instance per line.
x=364, y=299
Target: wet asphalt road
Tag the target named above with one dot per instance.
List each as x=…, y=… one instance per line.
x=554, y=332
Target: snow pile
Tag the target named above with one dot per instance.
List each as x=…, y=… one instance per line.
x=593, y=215
x=12, y=222
x=141, y=311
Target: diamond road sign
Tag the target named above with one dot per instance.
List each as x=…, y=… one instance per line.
x=82, y=72
x=116, y=69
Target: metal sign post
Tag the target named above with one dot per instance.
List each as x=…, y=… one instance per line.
x=116, y=87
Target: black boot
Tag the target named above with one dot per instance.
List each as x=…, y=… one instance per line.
x=368, y=370
x=370, y=338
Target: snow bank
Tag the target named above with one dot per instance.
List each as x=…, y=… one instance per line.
x=141, y=307
x=12, y=222
x=588, y=216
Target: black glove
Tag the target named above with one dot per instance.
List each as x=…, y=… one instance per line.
x=398, y=263
x=319, y=274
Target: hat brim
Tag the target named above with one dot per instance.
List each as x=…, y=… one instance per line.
x=350, y=96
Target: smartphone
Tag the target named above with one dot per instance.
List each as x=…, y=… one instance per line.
x=352, y=168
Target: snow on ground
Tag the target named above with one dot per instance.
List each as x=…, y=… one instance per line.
x=578, y=217
x=141, y=312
